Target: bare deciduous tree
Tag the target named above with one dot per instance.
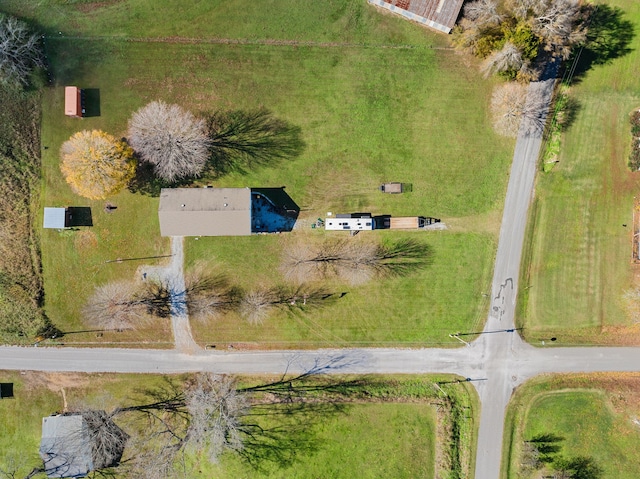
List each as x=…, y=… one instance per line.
x=106, y=438
x=510, y=33
x=20, y=51
x=557, y=22
x=130, y=305
x=509, y=58
x=208, y=294
x=212, y=413
x=172, y=139
x=483, y=13
x=353, y=261
x=515, y=106
x=524, y=9
x=216, y=408
x=117, y=306
x=256, y=305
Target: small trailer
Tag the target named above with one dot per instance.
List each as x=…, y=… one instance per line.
x=410, y=222
x=350, y=222
x=367, y=222
x=393, y=187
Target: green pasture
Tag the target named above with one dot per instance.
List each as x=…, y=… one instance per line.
x=578, y=262
x=372, y=440
x=343, y=21
x=584, y=420
x=374, y=101
x=398, y=430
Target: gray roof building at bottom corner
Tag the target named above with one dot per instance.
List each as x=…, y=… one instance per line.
x=205, y=211
x=65, y=447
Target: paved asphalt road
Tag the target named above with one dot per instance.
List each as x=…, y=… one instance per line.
x=496, y=362
x=500, y=350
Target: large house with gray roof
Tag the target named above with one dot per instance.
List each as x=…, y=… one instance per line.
x=225, y=211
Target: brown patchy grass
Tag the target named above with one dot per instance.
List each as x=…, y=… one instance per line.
x=622, y=389
x=85, y=240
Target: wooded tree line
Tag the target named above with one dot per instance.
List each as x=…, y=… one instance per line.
x=21, y=291
x=511, y=34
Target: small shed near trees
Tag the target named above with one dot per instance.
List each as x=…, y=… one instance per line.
x=57, y=218
x=74, y=444
x=73, y=101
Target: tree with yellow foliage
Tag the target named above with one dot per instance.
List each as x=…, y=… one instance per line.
x=96, y=164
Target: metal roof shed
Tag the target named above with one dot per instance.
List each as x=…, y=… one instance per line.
x=73, y=101
x=65, y=447
x=55, y=218
x=205, y=212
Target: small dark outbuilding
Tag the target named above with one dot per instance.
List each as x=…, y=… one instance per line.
x=6, y=390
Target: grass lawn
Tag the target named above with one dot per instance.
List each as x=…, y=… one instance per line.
x=579, y=257
x=375, y=103
x=401, y=430
x=374, y=440
x=423, y=308
x=594, y=415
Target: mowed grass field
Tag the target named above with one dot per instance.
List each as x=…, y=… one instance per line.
x=376, y=100
x=401, y=437
x=579, y=264
x=593, y=415
x=372, y=440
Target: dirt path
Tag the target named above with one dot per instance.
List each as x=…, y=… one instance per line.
x=245, y=41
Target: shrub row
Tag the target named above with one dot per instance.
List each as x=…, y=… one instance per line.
x=634, y=157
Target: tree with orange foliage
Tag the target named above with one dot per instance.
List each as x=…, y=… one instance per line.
x=96, y=164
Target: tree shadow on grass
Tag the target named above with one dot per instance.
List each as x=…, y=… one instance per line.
x=404, y=257
x=609, y=35
x=244, y=140
x=291, y=435
x=145, y=181
x=568, y=112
